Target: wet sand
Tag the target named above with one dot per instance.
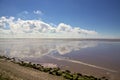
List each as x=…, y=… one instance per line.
x=81, y=67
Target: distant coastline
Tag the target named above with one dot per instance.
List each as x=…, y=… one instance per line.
x=77, y=39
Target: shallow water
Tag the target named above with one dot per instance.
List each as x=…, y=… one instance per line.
x=92, y=57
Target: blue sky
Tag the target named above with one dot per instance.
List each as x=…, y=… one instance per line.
x=102, y=16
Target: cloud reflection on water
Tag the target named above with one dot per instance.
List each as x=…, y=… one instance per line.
x=39, y=48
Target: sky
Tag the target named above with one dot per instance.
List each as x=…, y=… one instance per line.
x=60, y=18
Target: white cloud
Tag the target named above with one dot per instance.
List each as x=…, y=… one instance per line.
x=64, y=28
x=38, y=28
x=37, y=12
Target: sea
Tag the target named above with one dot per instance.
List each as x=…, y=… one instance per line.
x=97, y=57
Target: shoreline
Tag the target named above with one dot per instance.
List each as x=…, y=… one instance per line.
x=56, y=71
x=76, y=67
x=86, y=64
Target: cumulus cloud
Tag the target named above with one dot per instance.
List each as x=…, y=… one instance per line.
x=64, y=28
x=10, y=26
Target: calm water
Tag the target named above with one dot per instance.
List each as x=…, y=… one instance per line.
x=91, y=57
